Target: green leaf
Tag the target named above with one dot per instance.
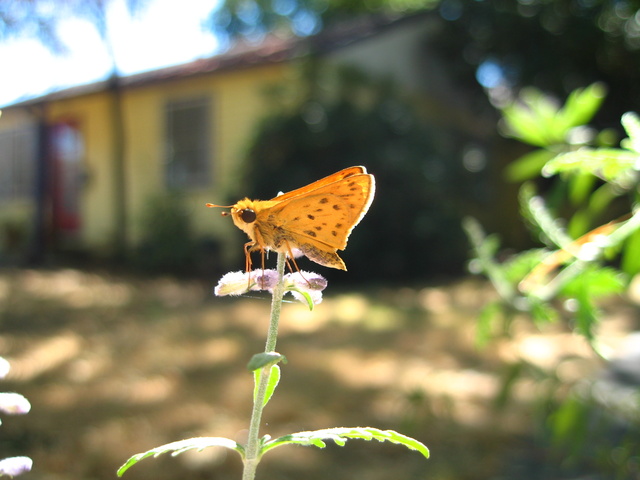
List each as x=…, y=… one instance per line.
x=484, y=249
x=569, y=422
x=580, y=188
x=274, y=379
x=265, y=359
x=340, y=436
x=602, y=197
x=596, y=281
x=581, y=105
x=535, y=210
x=542, y=312
x=525, y=124
x=520, y=265
x=487, y=318
x=528, y=166
x=305, y=295
x=610, y=164
x=176, y=448
x=631, y=254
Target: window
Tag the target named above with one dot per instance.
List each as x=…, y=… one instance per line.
x=188, y=146
x=17, y=163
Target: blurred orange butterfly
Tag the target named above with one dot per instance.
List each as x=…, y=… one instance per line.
x=314, y=221
x=539, y=275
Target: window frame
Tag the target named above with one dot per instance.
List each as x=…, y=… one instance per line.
x=188, y=153
x=18, y=163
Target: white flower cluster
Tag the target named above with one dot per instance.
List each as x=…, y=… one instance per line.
x=301, y=285
x=13, y=404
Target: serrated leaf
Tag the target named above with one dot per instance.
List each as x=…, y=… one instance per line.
x=176, y=448
x=341, y=435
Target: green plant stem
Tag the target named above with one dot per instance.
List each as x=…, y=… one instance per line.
x=252, y=452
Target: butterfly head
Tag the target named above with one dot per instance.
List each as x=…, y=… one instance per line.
x=242, y=213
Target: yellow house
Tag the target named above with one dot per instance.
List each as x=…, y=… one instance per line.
x=79, y=167
x=98, y=154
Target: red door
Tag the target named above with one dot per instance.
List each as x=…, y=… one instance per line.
x=67, y=151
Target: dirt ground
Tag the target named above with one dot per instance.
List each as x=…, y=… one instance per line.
x=114, y=365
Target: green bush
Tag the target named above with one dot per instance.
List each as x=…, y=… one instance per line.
x=580, y=199
x=167, y=243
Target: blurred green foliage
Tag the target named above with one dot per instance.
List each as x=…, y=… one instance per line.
x=582, y=260
x=576, y=186
x=167, y=243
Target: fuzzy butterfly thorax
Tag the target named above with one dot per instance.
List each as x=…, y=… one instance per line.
x=315, y=220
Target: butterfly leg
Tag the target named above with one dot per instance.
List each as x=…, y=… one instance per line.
x=257, y=244
x=247, y=256
x=247, y=261
x=293, y=260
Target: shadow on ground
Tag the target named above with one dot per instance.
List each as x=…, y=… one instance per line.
x=115, y=365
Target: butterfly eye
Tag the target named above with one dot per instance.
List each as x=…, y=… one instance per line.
x=248, y=215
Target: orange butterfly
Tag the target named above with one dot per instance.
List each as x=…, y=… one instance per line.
x=315, y=220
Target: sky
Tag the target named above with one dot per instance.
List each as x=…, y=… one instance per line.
x=160, y=35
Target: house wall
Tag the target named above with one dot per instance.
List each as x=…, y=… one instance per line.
x=396, y=53
x=90, y=114
x=236, y=103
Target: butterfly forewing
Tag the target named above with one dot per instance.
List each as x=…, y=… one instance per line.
x=329, y=213
x=336, y=177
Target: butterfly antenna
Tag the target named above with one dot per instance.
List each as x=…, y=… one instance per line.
x=213, y=205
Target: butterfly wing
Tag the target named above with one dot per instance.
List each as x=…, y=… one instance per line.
x=329, y=213
x=336, y=177
x=319, y=221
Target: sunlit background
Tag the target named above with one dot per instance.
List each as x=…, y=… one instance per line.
x=140, y=41
x=122, y=118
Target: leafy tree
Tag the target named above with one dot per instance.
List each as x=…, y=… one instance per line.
x=40, y=18
x=554, y=45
